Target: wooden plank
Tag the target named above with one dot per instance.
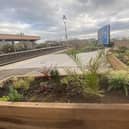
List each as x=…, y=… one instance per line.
x=63, y=116
x=116, y=63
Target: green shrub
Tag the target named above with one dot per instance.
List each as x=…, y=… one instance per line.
x=82, y=85
x=119, y=80
x=21, y=85
x=14, y=95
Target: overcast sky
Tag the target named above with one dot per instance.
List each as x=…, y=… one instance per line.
x=44, y=17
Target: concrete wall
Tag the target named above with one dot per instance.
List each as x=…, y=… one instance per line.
x=63, y=116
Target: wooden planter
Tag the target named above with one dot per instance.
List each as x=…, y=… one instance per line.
x=24, y=115
x=116, y=63
x=63, y=116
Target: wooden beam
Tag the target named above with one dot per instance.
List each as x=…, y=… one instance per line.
x=63, y=116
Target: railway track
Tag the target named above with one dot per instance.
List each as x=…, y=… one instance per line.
x=8, y=59
x=20, y=56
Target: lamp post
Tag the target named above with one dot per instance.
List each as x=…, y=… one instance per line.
x=65, y=20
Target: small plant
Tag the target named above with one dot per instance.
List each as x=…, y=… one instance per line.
x=92, y=77
x=4, y=98
x=119, y=80
x=92, y=85
x=55, y=75
x=14, y=95
x=73, y=85
x=95, y=63
x=22, y=83
x=57, y=86
x=89, y=81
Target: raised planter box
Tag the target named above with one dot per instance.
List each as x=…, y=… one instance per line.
x=63, y=116
x=24, y=115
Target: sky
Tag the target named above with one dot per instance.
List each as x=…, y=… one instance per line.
x=84, y=17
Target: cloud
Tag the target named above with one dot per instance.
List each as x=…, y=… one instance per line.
x=44, y=18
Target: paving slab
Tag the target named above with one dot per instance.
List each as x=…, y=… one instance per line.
x=59, y=60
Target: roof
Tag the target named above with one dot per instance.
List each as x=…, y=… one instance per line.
x=12, y=37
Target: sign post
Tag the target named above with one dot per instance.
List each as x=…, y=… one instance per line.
x=104, y=35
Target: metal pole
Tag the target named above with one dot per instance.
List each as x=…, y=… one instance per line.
x=66, y=34
x=13, y=43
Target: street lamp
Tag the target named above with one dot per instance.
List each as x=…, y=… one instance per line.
x=65, y=20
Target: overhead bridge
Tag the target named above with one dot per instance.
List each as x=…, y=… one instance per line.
x=21, y=37
x=12, y=38
x=23, y=55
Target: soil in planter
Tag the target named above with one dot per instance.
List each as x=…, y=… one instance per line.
x=115, y=97
x=45, y=90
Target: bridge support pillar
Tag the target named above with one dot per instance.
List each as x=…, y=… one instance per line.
x=33, y=44
x=13, y=43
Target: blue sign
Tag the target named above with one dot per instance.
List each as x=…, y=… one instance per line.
x=104, y=35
